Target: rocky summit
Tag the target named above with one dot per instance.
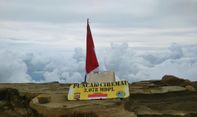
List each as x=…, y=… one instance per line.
x=169, y=97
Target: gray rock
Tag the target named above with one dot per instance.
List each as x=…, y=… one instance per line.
x=158, y=90
x=173, y=88
x=190, y=88
x=144, y=110
x=171, y=80
x=43, y=99
x=3, y=103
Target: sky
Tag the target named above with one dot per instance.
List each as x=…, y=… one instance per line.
x=43, y=41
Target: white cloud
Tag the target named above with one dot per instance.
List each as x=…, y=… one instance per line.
x=12, y=68
x=132, y=64
x=151, y=64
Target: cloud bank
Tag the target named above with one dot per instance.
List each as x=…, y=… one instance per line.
x=132, y=64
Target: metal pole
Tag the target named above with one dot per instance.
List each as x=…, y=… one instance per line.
x=85, y=79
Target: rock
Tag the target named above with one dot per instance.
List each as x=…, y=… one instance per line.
x=139, y=91
x=11, y=103
x=176, y=104
x=138, y=86
x=3, y=103
x=173, y=88
x=6, y=108
x=171, y=80
x=43, y=98
x=144, y=110
x=158, y=90
x=190, y=88
x=22, y=111
x=186, y=82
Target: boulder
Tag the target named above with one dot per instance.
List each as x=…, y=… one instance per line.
x=173, y=88
x=138, y=86
x=171, y=80
x=144, y=110
x=190, y=88
x=3, y=104
x=139, y=91
x=158, y=90
x=21, y=111
x=43, y=98
x=14, y=105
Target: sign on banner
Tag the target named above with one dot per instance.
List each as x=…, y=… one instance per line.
x=106, y=90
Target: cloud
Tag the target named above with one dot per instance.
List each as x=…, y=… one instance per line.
x=174, y=52
x=57, y=65
x=136, y=65
x=12, y=68
x=181, y=68
x=132, y=64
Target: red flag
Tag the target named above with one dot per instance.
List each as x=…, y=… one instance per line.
x=91, y=60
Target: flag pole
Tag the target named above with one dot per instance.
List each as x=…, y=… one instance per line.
x=85, y=78
x=87, y=20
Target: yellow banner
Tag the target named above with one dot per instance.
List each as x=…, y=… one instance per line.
x=88, y=91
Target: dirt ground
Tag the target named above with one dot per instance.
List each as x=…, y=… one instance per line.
x=175, y=104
